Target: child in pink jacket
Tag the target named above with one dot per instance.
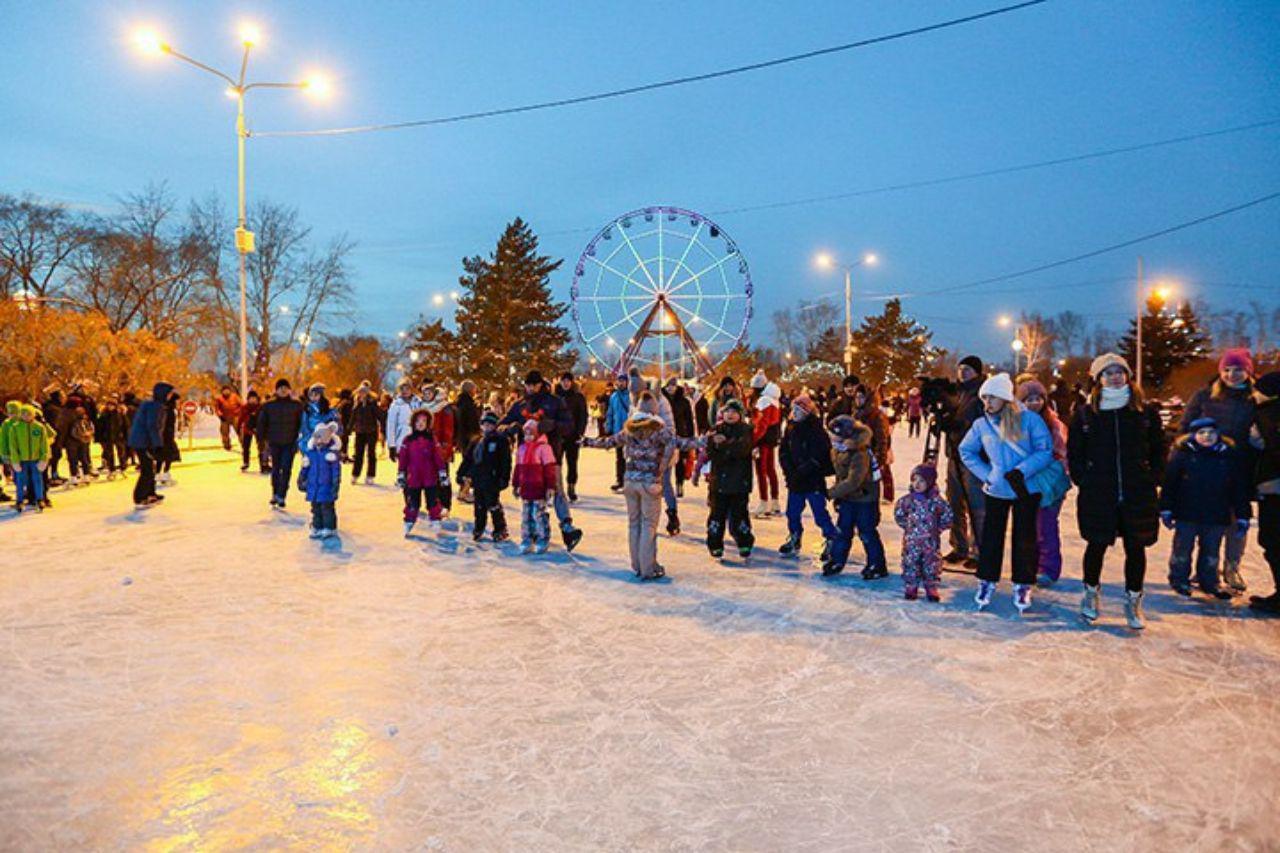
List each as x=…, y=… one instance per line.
x=422, y=470
x=534, y=482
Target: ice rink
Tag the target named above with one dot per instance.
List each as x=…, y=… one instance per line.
x=203, y=676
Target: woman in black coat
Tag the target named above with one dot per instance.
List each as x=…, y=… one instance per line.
x=1115, y=453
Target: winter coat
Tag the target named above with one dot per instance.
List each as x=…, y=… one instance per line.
x=248, y=421
x=112, y=427
x=420, y=460
x=962, y=409
x=82, y=430
x=321, y=474
x=279, y=421
x=702, y=415
x=576, y=405
x=1267, y=424
x=852, y=461
x=647, y=446
x=681, y=412
x=487, y=463
x=536, y=472
x=313, y=415
x=24, y=441
x=989, y=457
x=169, y=451
x=147, y=430
x=1204, y=485
x=615, y=417
x=731, y=468
x=1233, y=410
x=365, y=417
x=915, y=406
x=466, y=425
x=922, y=518
x=554, y=420
x=805, y=456
x=766, y=426
x=442, y=425
x=227, y=408
x=871, y=415
x=399, y=420
x=1116, y=458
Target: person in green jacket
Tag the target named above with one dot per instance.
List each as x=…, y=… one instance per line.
x=25, y=446
x=13, y=409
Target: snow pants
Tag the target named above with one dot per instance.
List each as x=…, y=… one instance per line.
x=729, y=512
x=1186, y=536
x=413, y=499
x=861, y=517
x=994, y=526
x=644, y=507
x=535, y=523
x=1049, y=541
x=921, y=566
x=324, y=515
x=817, y=503
x=282, y=468
x=767, y=472
x=487, y=504
x=29, y=483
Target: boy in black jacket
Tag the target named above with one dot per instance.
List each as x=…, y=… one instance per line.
x=729, y=484
x=1204, y=495
x=486, y=465
x=805, y=456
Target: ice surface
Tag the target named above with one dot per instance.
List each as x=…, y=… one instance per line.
x=203, y=676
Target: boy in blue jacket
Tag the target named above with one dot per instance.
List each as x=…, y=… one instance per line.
x=321, y=478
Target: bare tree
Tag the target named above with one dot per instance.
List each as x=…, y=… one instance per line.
x=1037, y=341
x=1068, y=328
x=785, y=331
x=814, y=318
x=37, y=242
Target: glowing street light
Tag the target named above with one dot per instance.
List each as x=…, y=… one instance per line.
x=1004, y=321
x=149, y=41
x=828, y=261
x=438, y=299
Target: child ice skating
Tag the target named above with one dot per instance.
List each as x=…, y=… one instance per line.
x=25, y=446
x=923, y=515
x=535, y=484
x=1033, y=397
x=486, y=466
x=766, y=428
x=728, y=448
x=1204, y=499
x=421, y=466
x=856, y=493
x=805, y=456
x=321, y=477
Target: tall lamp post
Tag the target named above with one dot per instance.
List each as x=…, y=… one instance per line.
x=827, y=261
x=150, y=42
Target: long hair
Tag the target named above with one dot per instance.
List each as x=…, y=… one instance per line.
x=1011, y=421
x=1137, y=402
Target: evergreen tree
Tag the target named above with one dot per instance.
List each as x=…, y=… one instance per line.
x=891, y=348
x=828, y=347
x=1169, y=340
x=506, y=320
x=433, y=353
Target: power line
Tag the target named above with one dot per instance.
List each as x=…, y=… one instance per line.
x=661, y=84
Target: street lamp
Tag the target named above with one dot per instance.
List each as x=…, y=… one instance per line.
x=1016, y=346
x=1159, y=294
x=149, y=41
x=827, y=261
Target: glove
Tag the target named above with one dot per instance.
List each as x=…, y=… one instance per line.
x=1242, y=526
x=1166, y=518
x=444, y=478
x=393, y=454
x=1019, y=483
x=400, y=481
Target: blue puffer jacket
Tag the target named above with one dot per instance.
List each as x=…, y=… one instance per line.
x=312, y=416
x=619, y=409
x=146, y=431
x=1036, y=446
x=321, y=473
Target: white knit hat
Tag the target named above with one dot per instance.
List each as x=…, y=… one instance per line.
x=1108, y=359
x=999, y=386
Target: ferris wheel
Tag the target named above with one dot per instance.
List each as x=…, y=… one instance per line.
x=662, y=289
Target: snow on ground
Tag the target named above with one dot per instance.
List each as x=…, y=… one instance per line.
x=203, y=676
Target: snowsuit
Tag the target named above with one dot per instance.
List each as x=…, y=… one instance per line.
x=922, y=518
x=857, y=498
x=146, y=438
x=535, y=477
x=421, y=464
x=1205, y=490
x=765, y=429
x=487, y=465
x=320, y=478
x=805, y=455
x=729, y=486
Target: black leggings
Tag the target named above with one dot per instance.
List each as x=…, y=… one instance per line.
x=366, y=448
x=1026, y=555
x=1135, y=563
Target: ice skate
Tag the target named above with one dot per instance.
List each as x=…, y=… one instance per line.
x=874, y=573
x=791, y=547
x=355, y=481
x=1044, y=580
x=716, y=553
x=745, y=552
x=477, y=535
x=408, y=528
x=1133, y=610
x=244, y=469
x=316, y=533
x=616, y=488
x=954, y=558
x=825, y=556
x=1091, y=604
x=1022, y=596
x=1181, y=588
x=526, y=547
x=1218, y=592
x=774, y=508
x=830, y=570
x=982, y=598
x=572, y=536
x=679, y=490
x=1232, y=579
x=501, y=535
x=368, y=480
x=673, y=522
x=1269, y=604
x=761, y=509
x=573, y=494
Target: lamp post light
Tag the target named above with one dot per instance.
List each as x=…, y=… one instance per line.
x=150, y=42
x=1160, y=294
x=827, y=261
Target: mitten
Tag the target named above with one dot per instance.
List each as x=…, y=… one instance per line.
x=1166, y=518
x=1242, y=526
x=1019, y=483
x=444, y=477
x=400, y=480
x=393, y=454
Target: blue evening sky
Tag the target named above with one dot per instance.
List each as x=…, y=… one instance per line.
x=88, y=119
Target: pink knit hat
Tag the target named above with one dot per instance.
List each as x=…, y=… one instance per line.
x=1238, y=357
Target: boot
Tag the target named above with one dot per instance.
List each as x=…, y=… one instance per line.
x=825, y=556
x=408, y=528
x=616, y=488
x=911, y=592
x=355, y=481
x=954, y=557
x=673, y=522
x=874, y=573
x=792, y=546
x=931, y=592
x=762, y=508
x=774, y=509
x=573, y=493
x=680, y=490
x=1091, y=604
x=1133, y=610
x=368, y=481
x=572, y=536
x=1232, y=579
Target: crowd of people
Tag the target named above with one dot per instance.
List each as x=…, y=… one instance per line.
x=1014, y=450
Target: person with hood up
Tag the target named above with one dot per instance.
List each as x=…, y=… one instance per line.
x=1116, y=455
x=615, y=420
x=766, y=431
x=1265, y=438
x=25, y=445
x=399, y=415
x=320, y=477
x=365, y=422
x=805, y=455
x=576, y=404
x=316, y=411
x=534, y=483
x=146, y=439
x=279, y=423
x=1006, y=448
x=1229, y=400
x=923, y=515
x=856, y=492
x=1205, y=495
x=486, y=466
x=650, y=448
x=422, y=471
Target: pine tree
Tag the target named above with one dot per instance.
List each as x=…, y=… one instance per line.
x=507, y=322
x=433, y=354
x=891, y=348
x=1169, y=340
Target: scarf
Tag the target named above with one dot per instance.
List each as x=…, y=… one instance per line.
x=1114, y=398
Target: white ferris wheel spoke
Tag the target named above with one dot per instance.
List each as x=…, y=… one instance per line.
x=636, y=255
x=698, y=318
x=701, y=273
x=627, y=317
x=623, y=275
x=685, y=254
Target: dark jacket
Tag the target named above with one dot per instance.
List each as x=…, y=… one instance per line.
x=730, y=461
x=854, y=469
x=366, y=417
x=112, y=427
x=576, y=405
x=702, y=414
x=314, y=414
x=681, y=412
x=871, y=415
x=467, y=425
x=1267, y=420
x=1116, y=458
x=1232, y=409
x=1204, y=485
x=147, y=430
x=554, y=420
x=805, y=456
x=962, y=409
x=280, y=420
x=487, y=463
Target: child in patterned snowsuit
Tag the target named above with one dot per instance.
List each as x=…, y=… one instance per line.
x=534, y=482
x=923, y=515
